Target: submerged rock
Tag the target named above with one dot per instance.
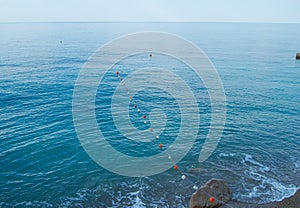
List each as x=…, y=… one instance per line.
x=215, y=188
x=197, y=170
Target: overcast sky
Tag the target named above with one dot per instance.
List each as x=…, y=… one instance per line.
x=150, y=10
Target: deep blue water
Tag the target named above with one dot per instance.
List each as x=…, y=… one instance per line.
x=42, y=163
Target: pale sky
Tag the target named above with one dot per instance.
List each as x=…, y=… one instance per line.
x=287, y=11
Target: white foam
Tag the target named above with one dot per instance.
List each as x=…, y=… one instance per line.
x=227, y=154
x=249, y=159
x=263, y=185
x=137, y=202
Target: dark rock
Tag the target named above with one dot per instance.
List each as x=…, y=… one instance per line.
x=298, y=56
x=213, y=188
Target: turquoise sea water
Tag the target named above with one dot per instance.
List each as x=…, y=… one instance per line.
x=42, y=163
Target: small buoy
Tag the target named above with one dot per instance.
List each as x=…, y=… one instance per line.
x=60, y=41
x=121, y=79
x=150, y=55
x=117, y=73
x=126, y=89
x=183, y=177
x=195, y=187
x=298, y=56
x=212, y=199
x=144, y=116
x=157, y=137
x=138, y=110
x=151, y=129
x=175, y=167
x=160, y=146
x=130, y=97
x=145, y=122
x=134, y=105
x=169, y=157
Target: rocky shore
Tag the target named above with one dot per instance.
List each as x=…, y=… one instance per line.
x=215, y=193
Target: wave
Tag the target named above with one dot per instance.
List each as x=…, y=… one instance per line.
x=260, y=184
x=26, y=204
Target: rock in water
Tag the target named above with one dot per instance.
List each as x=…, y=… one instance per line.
x=298, y=56
x=213, y=188
x=197, y=170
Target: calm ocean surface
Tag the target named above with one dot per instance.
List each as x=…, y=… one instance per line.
x=42, y=163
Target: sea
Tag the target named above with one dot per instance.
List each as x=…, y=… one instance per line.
x=42, y=161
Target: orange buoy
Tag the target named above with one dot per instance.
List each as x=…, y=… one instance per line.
x=151, y=129
x=160, y=146
x=130, y=97
x=175, y=167
x=212, y=199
